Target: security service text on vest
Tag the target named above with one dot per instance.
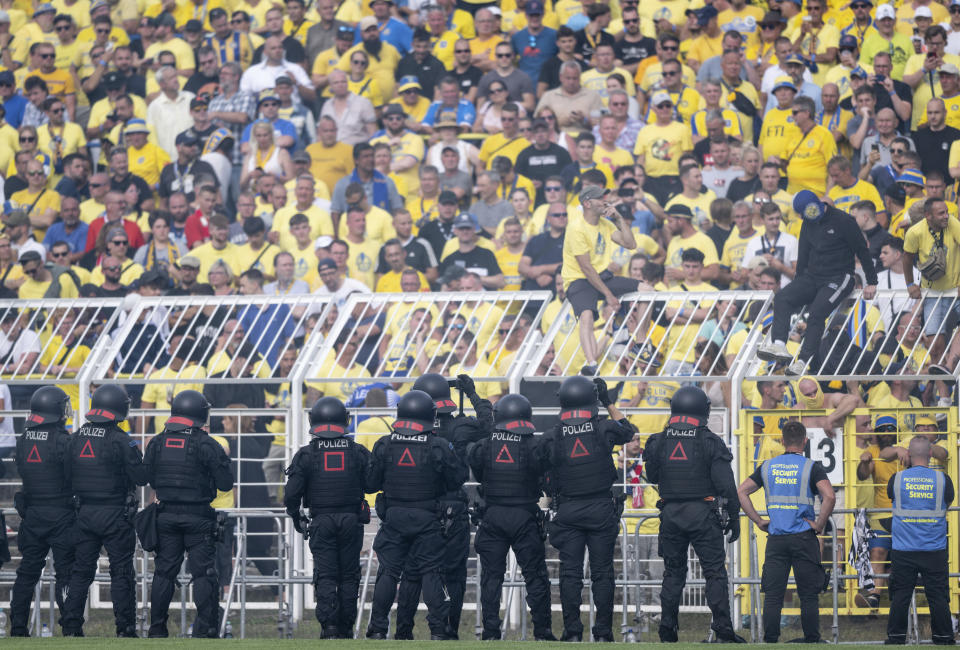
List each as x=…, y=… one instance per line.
x=784, y=476
x=919, y=487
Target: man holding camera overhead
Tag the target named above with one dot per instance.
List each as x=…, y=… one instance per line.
x=587, y=252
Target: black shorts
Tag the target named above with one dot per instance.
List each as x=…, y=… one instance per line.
x=584, y=297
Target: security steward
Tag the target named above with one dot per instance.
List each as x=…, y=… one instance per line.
x=45, y=504
x=791, y=483
x=461, y=431
x=328, y=476
x=698, y=504
x=186, y=467
x=506, y=467
x=414, y=468
x=578, y=453
x=105, y=467
x=920, y=496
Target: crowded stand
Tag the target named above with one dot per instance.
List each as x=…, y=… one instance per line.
x=535, y=189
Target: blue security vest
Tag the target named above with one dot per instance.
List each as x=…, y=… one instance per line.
x=919, y=511
x=786, y=481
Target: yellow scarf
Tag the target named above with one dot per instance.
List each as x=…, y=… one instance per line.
x=261, y=161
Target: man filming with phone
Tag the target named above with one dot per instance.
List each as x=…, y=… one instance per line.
x=587, y=252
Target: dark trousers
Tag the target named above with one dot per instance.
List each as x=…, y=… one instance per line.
x=191, y=532
x=453, y=572
x=43, y=529
x=801, y=552
x=581, y=525
x=933, y=567
x=504, y=528
x=409, y=538
x=663, y=187
x=336, y=541
x=695, y=523
x=822, y=298
x=102, y=527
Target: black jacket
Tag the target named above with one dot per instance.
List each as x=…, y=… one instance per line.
x=828, y=246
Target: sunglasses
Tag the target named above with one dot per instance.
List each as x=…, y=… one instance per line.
x=669, y=48
x=28, y=139
x=270, y=104
x=119, y=242
x=358, y=62
x=35, y=174
x=237, y=21
x=665, y=105
x=768, y=25
x=631, y=21
x=498, y=90
x=463, y=51
x=47, y=55
x=897, y=152
x=503, y=331
x=504, y=55
x=672, y=73
x=102, y=31
x=31, y=271
x=556, y=214
x=63, y=254
x=554, y=188
x=6, y=83
x=955, y=10
x=96, y=185
x=56, y=111
x=63, y=28
x=798, y=110
x=111, y=269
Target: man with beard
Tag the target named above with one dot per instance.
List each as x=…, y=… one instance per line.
x=420, y=63
x=383, y=57
x=293, y=50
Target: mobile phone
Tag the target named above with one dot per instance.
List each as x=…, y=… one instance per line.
x=875, y=146
x=880, y=78
x=625, y=192
x=931, y=55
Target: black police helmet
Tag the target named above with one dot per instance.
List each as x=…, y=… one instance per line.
x=415, y=413
x=48, y=405
x=328, y=418
x=189, y=410
x=513, y=413
x=110, y=403
x=689, y=405
x=436, y=386
x=578, y=399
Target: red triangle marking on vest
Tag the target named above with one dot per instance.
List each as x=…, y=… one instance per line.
x=578, y=449
x=682, y=455
x=406, y=459
x=34, y=456
x=504, y=456
x=87, y=451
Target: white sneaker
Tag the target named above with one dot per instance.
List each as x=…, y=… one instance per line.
x=774, y=352
x=796, y=368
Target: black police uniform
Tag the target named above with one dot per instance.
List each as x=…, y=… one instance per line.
x=461, y=431
x=578, y=454
x=414, y=468
x=506, y=467
x=691, y=464
x=327, y=476
x=105, y=466
x=45, y=504
x=186, y=467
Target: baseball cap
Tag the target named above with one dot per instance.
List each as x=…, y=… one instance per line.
x=448, y=197
x=17, y=217
x=808, y=205
x=98, y=4
x=794, y=58
x=29, y=256
x=394, y=109
x=922, y=12
x=886, y=11
x=772, y=17
x=858, y=72
x=463, y=220
x=705, y=14
x=4, y=16
x=926, y=419
x=6, y=77
x=193, y=25
x=166, y=20
x=113, y=80
x=323, y=241
x=948, y=68
x=267, y=95
x=283, y=79
x=540, y=123
x=913, y=176
x=367, y=22
x=196, y=103
x=896, y=192
x=533, y=8
x=848, y=42
x=408, y=82
x=592, y=192
x=679, y=210
x=190, y=262
x=136, y=125
x=755, y=263
x=152, y=276
x=660, y=97
x=301, y=156
x=345, y=32
x=187, y=138
x=326, y=263
x=784, y=82
x=885, y=422
x=44, y=8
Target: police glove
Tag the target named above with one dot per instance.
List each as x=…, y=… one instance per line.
x=298, y=520
x=602, y=393
x=732, y=529
x=466, y=385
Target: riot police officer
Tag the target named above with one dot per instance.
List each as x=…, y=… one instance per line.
x=920, y=497
x=790, y=482
x=414, y=469
x=186, y=467
x=578, y=454
x=460, y=430
x=328, y=476
x=45, y=504
x=506, y=467
x=691, y=464
x=105, y=465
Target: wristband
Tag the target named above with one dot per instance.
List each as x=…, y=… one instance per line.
x=912, y=284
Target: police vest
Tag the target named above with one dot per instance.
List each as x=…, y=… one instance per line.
x=508, y=476
x=41, y=465
x=685, y=472
x=409, y=474
x=585, y=465
x=919, y=511
x=97, y=471
x=786, y=482
x=334, y=479
x=178, y=474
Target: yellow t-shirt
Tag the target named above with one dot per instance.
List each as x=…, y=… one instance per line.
x=320, y=224
x=661, y=147
x=56, y=353
x=612, y=159
x=731, y=123
x=362, y=261
x=510, y=264
x=148, y=162
x=208, y=255
x=921, y=243
x=40, y=201
x=379, y=226
x=922, y=93
x=178, y=47
x=389, y=282
x=699, y=205
x=261, y=260
x=844, y=197
x=161, y=395
x=685, y=103
x=733, y=250
x=777, y=130
x=682, y=337
x=806, y=169
x=645, y=244
x=381, y=67
x=498, y=145
x=409, y=146
x=343, y=389
x=817, y=42
x=224, y=499
x=697, y=240
x=583, y=238
x=330, y=164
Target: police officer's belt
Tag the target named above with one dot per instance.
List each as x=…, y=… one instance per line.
x=421, y=505
x=103, y=501
x=50, y=502
x=335, y=510
x=188, y=508
x=594, y=496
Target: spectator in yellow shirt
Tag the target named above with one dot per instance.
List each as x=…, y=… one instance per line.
x=146, y=159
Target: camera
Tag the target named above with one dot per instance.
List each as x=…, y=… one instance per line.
x=625, y=192
x=624, y=211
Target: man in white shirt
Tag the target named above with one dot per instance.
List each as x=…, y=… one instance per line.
x=720, y=174
x=264, y=74
x=892, y=277
x=169, y=114
x=335, y=285
x=779, y=249
x=953, y=29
